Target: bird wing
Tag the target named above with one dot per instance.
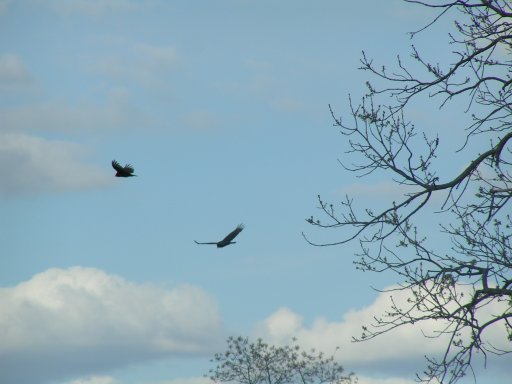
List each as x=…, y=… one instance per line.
x=233, y=234
x=117, y=166
x=129, y=168
x=197, y=242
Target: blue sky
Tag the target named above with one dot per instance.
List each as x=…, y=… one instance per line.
x=222, y=108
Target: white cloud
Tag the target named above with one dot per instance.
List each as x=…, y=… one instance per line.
x=82, y=321
x=185, y=380
x=94, y=380
x=282, y=325
x=389, y=380
x=31, y=165
x=396, y=353
x=391, y=352
x=14, y=76
x=188, y=380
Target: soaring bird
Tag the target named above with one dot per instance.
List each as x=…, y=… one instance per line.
x=126, y=171
x=228, y=239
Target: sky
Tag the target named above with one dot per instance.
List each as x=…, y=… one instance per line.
x=223, y=110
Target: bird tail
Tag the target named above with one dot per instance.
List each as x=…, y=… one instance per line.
x=197, y=242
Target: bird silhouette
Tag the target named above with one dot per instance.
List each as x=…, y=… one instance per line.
x=228, y=239
x=126, y=171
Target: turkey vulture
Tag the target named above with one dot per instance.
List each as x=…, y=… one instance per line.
x=125, y=171
x=227, y=240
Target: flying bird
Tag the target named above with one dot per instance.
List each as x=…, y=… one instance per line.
x=228, y=239
x=126, y=171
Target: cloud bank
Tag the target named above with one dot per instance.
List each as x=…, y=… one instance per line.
x=81, y=321
x=397, y=353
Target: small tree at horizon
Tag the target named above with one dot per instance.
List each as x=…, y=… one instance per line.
x=247, y=362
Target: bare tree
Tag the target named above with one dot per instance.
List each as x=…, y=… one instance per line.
x=466, y=286
x=247, y=362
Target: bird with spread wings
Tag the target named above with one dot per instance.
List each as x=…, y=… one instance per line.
x=126, y=171
x=228, y=239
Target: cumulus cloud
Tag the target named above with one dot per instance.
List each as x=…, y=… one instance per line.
x=94, y=380
x=390, y=380
x=31, y=165
x=185, y=380
x=188, y=380
x=395, y=353
x=81, y=321
x=391, y=353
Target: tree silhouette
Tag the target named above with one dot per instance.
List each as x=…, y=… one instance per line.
x=467, y=286
x=246, y=362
